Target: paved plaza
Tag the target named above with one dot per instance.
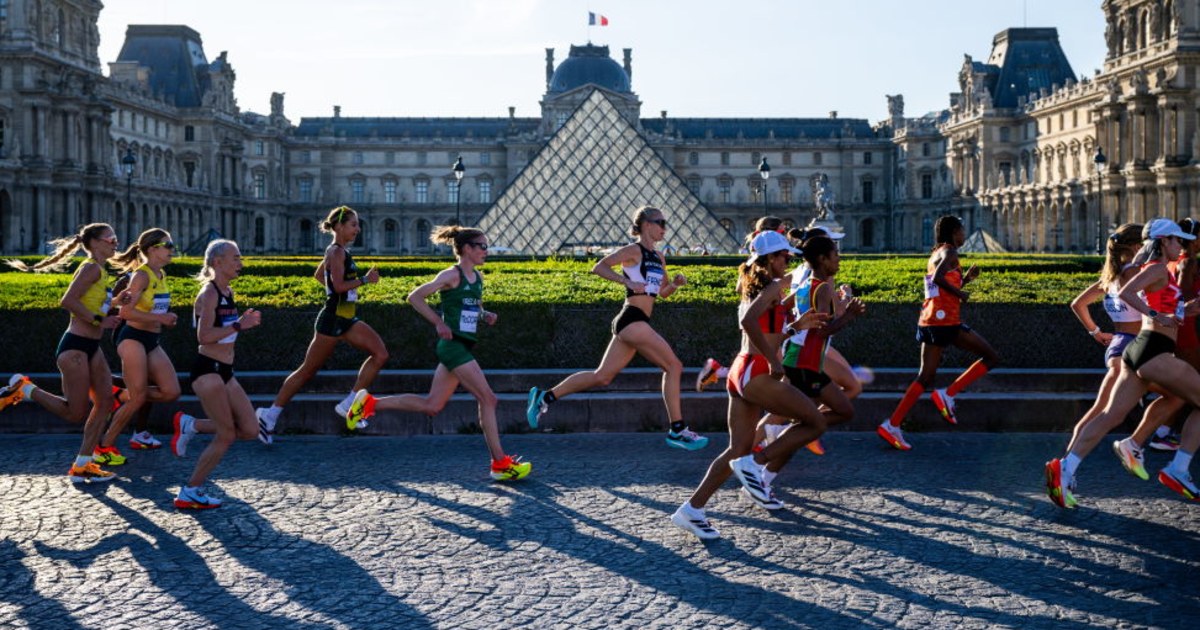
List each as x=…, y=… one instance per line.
x=321, y=532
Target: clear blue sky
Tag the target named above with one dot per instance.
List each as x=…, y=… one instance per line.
x=753, y=58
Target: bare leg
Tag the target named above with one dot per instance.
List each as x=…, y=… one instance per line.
x=443, y=386
x=473, y=380
x=364, y=338
x=616, y=357
x=1102, y=398
x=319, y=351
x=742, y=416
x=655, y=349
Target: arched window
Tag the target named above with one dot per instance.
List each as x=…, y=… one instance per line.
x=867, y=233
x=260, y=232
x=389, y=235
x=421, y=230
x=306, y=235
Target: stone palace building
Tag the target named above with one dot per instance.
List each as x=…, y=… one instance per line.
x=160, y=140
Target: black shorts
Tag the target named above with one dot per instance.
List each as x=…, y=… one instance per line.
x=1147, y=345
x=628, y=315
x=71, y=341
x=808, y=381
x=205, y=365
x=328, y=323
x=940, y=336
x=149, y=340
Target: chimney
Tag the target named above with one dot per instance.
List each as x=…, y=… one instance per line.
x=512, y=112
x=337, y=111
x=629, y=63
x=549, y=66
x=833, y=114
x=664, y=114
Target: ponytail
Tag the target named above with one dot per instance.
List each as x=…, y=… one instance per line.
x=131, y=258
x=337, y=216
x=1120, y=248
x=455, y=236
x=64, y=248
x=754, y=276
x=215, y=249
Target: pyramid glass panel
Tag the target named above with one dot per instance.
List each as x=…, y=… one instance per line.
x=581, y=189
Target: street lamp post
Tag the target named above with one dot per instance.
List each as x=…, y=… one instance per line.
x=764, y=171
x=459, y=171
x=127, y=163
x=1099, y=161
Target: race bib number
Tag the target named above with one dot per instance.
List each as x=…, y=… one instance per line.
x=931, y=288
x=468, y=320
x=352, y=295
x=107, y=304
x=654, y=279
x=161, y=304
x=227, y=321
x=1114, y=304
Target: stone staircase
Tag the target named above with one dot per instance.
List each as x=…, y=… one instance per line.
x=1004, y=400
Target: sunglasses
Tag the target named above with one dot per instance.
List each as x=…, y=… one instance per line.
x=112, y=240
x=482, y=246
x=662, y=223
x=167, y=245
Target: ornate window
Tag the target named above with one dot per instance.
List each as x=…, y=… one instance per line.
x=724, y=158
x=306, y=189
x=357, y=191
x=693, y=158
x=389, y=234
x=693, y=184
x=452, y=187
x=260, y=232
x=260, y=185
x=485, y=191
x=422, y=191
x=927, y=185
x=724, y=185
x=868, y=191
x=306, y=235
x=389, y=191
x=817, y=158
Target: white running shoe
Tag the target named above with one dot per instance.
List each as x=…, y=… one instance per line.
x=693, y=521
x=185, y=428
x=773, y=504
x=892, y=435
x=708, y=374
x=143, y=441
x=266, y=426
x=750, y=474
x=771, y=432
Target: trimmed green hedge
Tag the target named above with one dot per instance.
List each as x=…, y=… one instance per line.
x=554, y=313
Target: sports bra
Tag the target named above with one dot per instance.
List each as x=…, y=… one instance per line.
x=1168, y=299
x=1116, y=308
x=156, y=298
x=98, y=297
x=649, y=272
x=226, y=314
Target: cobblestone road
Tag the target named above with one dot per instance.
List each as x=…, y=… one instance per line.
x=407, y=532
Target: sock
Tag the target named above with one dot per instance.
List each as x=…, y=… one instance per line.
x=549, y=397
x=27, y=391
x=1162, y=431
x=911, y=396
x=678, y=426
x=722, y=373
x=768, y=476
x=1070, y=464
x=82, y=460
x=349, y=398
x=1182, y=461
x=273, y=412
x=977, y=369
x=688, y=509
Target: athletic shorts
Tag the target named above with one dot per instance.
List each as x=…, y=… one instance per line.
x=149, y=340
x=1147, y=345
x=328, y=323
x=206, y=365
x=940, y=336
x=71, y=341
x=745, y=368
x=810, y=382
x=628, y=315
x=455, y=352
x=1117, y=345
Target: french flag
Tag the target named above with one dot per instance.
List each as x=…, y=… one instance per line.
x=596, y=20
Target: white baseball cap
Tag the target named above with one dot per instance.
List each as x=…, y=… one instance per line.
x=770, y=242
x=1162, y=228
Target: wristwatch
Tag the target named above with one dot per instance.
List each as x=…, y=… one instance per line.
x=1153, y=313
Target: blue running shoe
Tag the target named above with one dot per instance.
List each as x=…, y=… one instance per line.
x=535, y=407
x=686, y=439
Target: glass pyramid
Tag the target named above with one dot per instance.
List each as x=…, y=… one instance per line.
x=579, y=192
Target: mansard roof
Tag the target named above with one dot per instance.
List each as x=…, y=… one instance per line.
x=175, y=56
x=415, y=127
x=1026, y=60
x=761, y=128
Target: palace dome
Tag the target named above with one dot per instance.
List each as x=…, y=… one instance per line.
x=589, y=64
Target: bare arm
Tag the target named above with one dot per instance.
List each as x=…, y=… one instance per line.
x=129, y=311
x=949, y=262
x=418, y=298
x=1149, y=279
x=1079, y=306
x=623, y=256
x=72, y=300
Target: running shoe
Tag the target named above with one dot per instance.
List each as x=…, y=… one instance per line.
x=892, y=435
x=1131, y=458
x=1059, y=493
x=266, y=426
x=535, y=407
x=693, y=521
x=342, y=408
x=771, y=432
x=362, y=408
x=11, y=394
x=708, y=374
x=195, y=499
x=89, y=473
x=773, y=503
x=750, y=473
x=143, y=441
x=686, y=439
x=816, y=447
x=510, y=468
x=117, y=402
x=185, y=428
x=108, y=456
x=945, y=404
x=1179, y=482
x=1168, y=442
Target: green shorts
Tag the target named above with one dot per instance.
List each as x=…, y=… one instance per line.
x=455, y=352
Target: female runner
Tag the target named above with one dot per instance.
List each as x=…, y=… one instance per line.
x=82, y=364
x=643, y=274
x=336, y=322
x=230, y=414
x=939, y=327
x=461, y=288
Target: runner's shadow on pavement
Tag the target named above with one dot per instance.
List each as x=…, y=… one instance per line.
x=659, y=567
x=314, y=575
x=17, y=587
